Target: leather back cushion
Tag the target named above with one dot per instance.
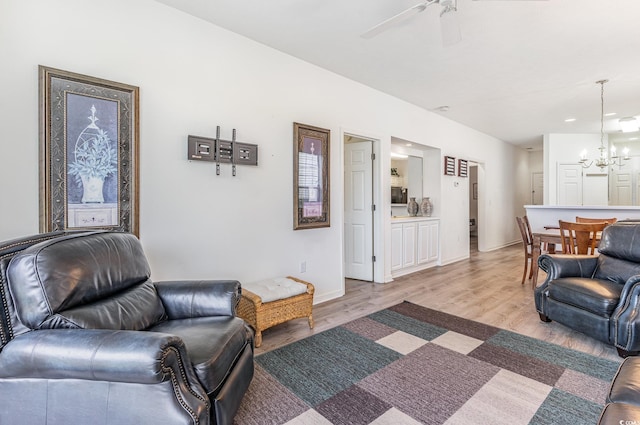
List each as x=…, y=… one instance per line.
x=619, y=251
x=98, y=280
x=10, y=326
x=615, y=269
x=621, y=240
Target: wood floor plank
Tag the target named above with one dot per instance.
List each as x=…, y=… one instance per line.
x=485, y=287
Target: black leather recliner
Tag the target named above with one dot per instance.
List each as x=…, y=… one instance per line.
x=87, y=338
x=597, y=295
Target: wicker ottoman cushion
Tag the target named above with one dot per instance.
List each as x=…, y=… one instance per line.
x=275, y=289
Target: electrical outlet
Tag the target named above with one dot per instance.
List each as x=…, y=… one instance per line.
x=303, y=267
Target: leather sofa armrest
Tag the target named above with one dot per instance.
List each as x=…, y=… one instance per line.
x=199, y=298
x=99, y=355
x=559, y=265
x=625, y=324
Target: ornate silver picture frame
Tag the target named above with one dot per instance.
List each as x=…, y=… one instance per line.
x=89, y=141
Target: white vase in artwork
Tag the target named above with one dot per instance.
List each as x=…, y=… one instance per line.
x=92, y=189
x=426, y=207
x=95, y=157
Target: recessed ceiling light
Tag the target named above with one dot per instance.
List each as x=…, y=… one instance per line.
x=398, y=155
x=408, y=144
x=570, y=120
x=609, y=114
x=443, y=108
x=629, y=124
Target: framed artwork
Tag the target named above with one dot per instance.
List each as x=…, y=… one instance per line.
x=463, y=168
x=89, y=141
x=449, y=166
x=310, y=177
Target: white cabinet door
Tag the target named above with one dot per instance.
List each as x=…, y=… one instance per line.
x=396, y=246
x=408, y=244
x=434, y=241
x=414, y=246
x=424, y=232
x=428, y=241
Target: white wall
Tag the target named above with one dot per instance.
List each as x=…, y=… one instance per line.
x=536, y=162
x=194, y=76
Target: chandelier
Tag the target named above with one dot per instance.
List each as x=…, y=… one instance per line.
x=603, y=160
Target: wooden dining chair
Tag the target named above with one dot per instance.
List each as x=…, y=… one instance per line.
x=580, y=238
x=527, y=242
x=596, y=220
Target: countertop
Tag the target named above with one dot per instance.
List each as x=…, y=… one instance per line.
x=410, y=218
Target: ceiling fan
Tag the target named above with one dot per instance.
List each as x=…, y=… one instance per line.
x=448, y=22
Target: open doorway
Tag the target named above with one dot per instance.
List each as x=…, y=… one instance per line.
x=473, y=207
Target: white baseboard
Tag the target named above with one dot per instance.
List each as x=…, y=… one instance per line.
x=320, y=298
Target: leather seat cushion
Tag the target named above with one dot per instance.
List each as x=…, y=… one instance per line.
x=620, y=413
x=597, y=296
x=625, y=387
x=213, y=345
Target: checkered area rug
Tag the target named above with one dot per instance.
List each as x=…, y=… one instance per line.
x=412, y=365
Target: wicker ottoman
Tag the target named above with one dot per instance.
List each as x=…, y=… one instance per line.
x=263, y=315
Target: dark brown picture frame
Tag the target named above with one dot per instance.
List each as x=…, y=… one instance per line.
x=311, y=191
x=89, y=143
x=463, y=168
x=449, y=166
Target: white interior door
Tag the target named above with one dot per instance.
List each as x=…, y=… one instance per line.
x=621, y=187
x=596, y=189
x=358, y=214
x=537, y=188
x=569, y=184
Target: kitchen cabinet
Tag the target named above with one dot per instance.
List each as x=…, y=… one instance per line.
x=415, y=244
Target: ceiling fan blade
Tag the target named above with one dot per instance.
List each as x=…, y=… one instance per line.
x=385, y=25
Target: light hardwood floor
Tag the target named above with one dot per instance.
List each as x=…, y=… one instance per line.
x=486, y=288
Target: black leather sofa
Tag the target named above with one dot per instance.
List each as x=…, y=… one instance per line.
x=597, y=295
x=623, y=399
x=87, y=338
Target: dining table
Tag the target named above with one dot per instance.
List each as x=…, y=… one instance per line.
x=549, y=235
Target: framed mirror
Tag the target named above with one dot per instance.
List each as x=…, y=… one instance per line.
x=310, y=177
